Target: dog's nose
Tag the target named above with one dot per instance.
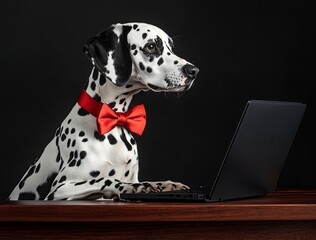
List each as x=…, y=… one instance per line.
x=190, y=71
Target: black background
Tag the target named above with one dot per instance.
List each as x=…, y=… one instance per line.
x=244, y=50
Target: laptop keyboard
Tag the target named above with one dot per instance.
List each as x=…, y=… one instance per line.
x=205, y=189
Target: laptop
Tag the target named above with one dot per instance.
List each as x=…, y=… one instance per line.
x=254, y=159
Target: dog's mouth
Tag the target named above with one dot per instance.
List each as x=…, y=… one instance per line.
x=166, y=89
x=171, y=87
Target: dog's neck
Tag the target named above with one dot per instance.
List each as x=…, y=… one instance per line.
x=117, y=97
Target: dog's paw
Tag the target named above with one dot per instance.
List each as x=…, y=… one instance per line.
x=144, y=187
x=168, y=186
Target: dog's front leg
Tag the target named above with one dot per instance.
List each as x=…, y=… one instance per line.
x=96, y=189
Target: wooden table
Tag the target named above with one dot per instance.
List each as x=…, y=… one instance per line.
x=284, y=214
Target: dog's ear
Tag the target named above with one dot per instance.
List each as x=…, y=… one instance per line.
x=111, y=48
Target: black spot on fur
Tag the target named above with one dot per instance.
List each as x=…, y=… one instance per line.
x=133, y=141
x=51, y=196
x=160, y=61
x=126, y=174
x=122, y=100
x=95, y=173
x=38, y=168
x=85, y=140
x=98, y=136
x=121, y=56
x=99, y=180
x=169, y=83
x=127, y=144
x=62, y=179
x=141, y=65
x=27, y=196
x=73, y=131
x=81, y=134
x=54, y=183
x=151, y=58
x=72, y=163
x=144, y=35
x=168, y=53
x=135, y=26
x=45, y=187
x=102, y=80
x=92, y=182
x=129, y=161
x=97, y=97
x=135, y=52
x=61, y=165
x=93, y=85
x=95, y=74
x=112, y=139
x=73, y=143
x=71, y=156
x=112, y=172
x=106, y=184
x=29, y=173
x=80, y=183
x=112, y=104
x=68, y=143
x=176, y=62
x=67, y=131
x=82, y=112
x=133, y=47
x=69, y=121
x=83, y=154
x=78, y=163
x=63, y=137
x=149, y=69
x=129, y=85
x=58, y=158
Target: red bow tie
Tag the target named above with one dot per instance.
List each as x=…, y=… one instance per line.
x=134, y=119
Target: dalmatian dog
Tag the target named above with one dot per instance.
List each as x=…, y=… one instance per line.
x=79, y=162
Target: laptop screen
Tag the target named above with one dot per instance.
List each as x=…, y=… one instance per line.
x=258, y=149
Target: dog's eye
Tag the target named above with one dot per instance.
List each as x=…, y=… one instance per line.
x=150, y=48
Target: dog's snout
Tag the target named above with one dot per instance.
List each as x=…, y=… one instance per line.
x=190, y=71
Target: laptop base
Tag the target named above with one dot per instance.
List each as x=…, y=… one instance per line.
x=166, y=196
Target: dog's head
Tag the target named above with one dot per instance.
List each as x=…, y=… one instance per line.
x=143, y=52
